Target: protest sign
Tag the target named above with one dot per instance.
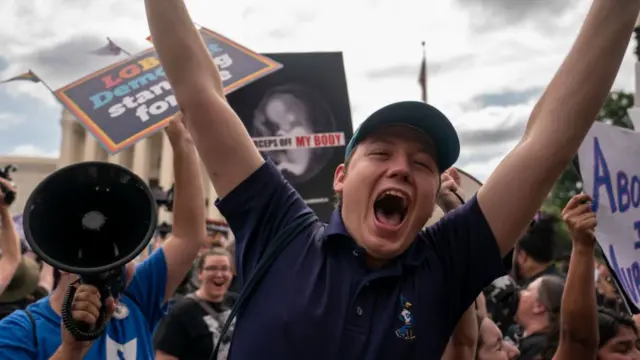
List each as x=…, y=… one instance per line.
x=610, y=172
x=131, y=99
x=300, y=117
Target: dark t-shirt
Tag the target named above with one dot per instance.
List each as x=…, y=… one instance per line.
x=531, y=347
x=189, y=331
x=319, y=300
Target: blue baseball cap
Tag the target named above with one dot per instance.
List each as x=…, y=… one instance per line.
x=420, y=116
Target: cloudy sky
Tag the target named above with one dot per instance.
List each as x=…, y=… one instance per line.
x=489, y=60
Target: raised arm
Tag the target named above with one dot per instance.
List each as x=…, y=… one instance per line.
x=578, y=317
x=9, y=244
x=189, y=227
x=464, y=339
x=559, y=122
x=223, y=143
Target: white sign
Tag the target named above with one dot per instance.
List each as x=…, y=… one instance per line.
x=610, y=169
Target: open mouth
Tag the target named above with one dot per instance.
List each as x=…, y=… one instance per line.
x=218, y=283
x=390, y=208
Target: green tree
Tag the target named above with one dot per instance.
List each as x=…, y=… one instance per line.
x=613, y=112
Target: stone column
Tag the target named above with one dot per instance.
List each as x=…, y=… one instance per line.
x=91, y=147
x=119, y=158
x=142, y=159
x=166, y=173
x=68, y=143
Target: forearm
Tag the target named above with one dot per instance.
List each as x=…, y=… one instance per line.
x=574, y=97
x=227, y=150
x=184, y=57
x=188, y=203
x=9, y=240
x=46, y=277
x=189, y=228
x=481, y=304
x=578, y=320
x=462, y=344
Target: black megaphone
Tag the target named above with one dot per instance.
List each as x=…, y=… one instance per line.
x=90, y=219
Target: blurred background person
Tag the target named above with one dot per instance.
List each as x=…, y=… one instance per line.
x=491, y=344
x=534, y=252
x=192, y=328
x=607, y=291
x=31, y=282
x=10, y=255
x=538, y=313
x=618, y=336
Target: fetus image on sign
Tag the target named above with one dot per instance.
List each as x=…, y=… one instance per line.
x=293, y=110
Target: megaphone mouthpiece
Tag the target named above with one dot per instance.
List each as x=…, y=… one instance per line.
x=93, y=220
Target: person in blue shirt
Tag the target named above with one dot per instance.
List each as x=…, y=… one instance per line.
x=343, y=292
x=135, y=314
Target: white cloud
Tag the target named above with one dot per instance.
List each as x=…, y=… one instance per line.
x=10, y=120
x=467, y=58
x=31, y=150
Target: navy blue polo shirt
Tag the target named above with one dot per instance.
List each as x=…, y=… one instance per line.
x=320, y=301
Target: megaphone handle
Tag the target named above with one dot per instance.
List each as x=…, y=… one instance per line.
x=80, y=330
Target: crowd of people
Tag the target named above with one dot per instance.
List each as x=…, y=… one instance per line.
x=516, y=317
x=372, y=283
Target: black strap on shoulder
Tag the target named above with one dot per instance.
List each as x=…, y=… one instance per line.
x=274, y=249
x=33, y=328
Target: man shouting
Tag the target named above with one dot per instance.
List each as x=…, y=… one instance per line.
x=375, y=285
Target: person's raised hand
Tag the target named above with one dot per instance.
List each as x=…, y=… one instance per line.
x=450, y=186
x=580, y=219
x=177, y=131
x=85, y=308
x=8, y=185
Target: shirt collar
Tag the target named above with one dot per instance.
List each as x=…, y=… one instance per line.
x=336, y=225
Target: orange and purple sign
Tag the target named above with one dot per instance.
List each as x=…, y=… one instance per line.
x=131, y=99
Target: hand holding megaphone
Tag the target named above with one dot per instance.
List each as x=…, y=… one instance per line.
x=86, y=311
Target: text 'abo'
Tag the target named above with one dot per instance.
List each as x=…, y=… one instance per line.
x=320, y=140
x=611, y=176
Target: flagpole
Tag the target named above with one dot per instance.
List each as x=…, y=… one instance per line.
x=423, y=73
x=43, y=83
x=119, y=47
x=425, y=95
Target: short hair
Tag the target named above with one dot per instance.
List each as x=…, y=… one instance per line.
x=214, y=251
x=539, y=241
x=609, y=323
